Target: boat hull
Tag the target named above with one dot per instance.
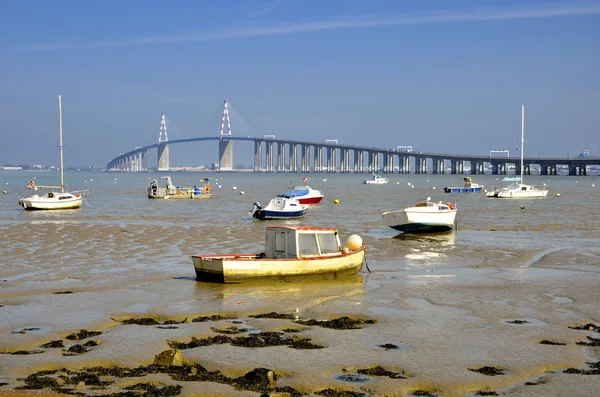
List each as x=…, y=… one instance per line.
x=309, y=200
x=31, y=204
x=270, y=214
x=410, y=221
x=253, y=268
x=462, y=189
x=518, y=195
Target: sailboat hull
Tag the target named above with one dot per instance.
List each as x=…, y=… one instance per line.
x=42, y=203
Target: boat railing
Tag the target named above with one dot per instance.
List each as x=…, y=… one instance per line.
x=80, y=193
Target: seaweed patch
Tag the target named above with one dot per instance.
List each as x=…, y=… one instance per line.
x=83, y=334
x=489, y=371
x=338, y=323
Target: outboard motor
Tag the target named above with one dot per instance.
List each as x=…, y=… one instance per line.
x=255, y=207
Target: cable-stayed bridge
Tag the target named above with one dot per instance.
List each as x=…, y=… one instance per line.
x=285, y=155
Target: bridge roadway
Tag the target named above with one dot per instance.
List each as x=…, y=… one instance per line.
x=325, y=159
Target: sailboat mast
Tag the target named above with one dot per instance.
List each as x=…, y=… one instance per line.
x=60, y=145
x=522, y=136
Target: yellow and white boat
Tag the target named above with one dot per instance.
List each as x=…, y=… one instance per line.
x=290, y=252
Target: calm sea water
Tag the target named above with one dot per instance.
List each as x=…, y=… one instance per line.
x=444, y=298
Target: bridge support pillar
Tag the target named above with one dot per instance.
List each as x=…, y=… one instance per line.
x=257, y=156
x=225, y=155
x=163, y=156
x=318, y=158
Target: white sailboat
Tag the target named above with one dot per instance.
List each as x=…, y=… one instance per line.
x=520, y=189
x=54, y=200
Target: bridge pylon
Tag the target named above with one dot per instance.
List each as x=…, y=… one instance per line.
x=163, y=148
x=225, y=144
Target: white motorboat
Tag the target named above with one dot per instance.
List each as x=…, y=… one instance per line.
x=290, y=252
x=304, y=194
x=54, y=200
x=279, y=208
x=376, y=180
x=520, y=189
x=422, y=217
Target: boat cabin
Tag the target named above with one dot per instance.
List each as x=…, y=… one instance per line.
x=301, y=242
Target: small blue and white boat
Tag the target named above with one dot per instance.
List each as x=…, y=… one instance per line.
x=279, y=208
x=469, y=187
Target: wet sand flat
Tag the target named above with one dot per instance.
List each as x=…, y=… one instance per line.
x=442, y=312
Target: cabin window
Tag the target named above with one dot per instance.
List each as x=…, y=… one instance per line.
x=328, y=243
x=280, y=242
x=523, y=188
x=308, y=244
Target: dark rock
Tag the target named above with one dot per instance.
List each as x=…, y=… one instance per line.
x=486, y=393
x=62, y=292
x=388, y=346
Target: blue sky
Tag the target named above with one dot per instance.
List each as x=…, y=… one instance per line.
x=440, y=76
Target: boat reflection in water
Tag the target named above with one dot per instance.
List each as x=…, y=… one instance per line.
x=284, y=297
x=428, y=246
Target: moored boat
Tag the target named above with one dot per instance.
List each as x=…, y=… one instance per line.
x=290, y=252
x=468, y=187
x=520, y=189
x=304, y=194
x=422, y=217
x=54, y=200
x=376, y=180
x=279, y=208
x=170, y=191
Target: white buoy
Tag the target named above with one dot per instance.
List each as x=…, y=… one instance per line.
x=242, y=192
x=408, y=183
x=220, y=186
x=354, y=242
x=325, y=180
x=413, y=186
x=115, y=179
x=557, y=194
x=91, y=180
x=234, y=188
x=433, y=188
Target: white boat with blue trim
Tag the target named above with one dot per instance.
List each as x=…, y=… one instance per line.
x=426, y=216
x=468, y=187
x=279, y=208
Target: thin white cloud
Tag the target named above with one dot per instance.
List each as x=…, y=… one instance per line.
x=353, y=22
